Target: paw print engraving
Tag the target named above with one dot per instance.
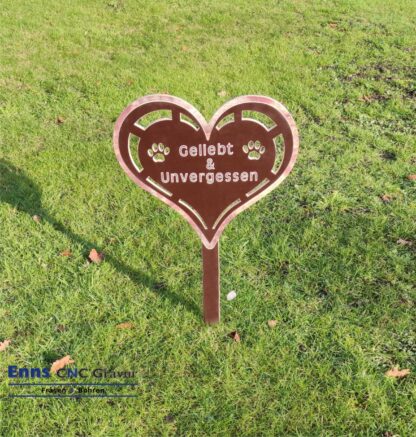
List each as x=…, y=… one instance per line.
x=254, y=150
x=158, y=152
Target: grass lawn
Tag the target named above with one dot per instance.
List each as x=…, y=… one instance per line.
x=320, y=255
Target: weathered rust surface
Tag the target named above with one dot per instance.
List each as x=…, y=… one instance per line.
x=211, y=283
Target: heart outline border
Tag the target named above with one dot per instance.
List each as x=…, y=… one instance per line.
x=207, y=128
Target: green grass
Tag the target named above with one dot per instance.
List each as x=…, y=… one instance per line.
x=319, y=254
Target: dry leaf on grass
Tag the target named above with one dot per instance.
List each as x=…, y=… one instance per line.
x=60, y=364
x=36, y=218
x=4, y=344
x=59, y=120
x=222, y=93
x=412, y=177
x=95, y=257
x=66, y=252
x=125, y=325
x=272, y=323
x=403, y=242
x=396, y=373
x=235, y=336
x=60, y=327
x=333, y=25
x=386, y=198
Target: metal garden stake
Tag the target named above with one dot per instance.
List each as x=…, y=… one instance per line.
x=208, y=172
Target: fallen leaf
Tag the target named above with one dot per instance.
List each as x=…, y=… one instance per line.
x=125, y=325
x=36, y=218
x=412, y=177
x=272, y=323
x=60, y=327
x=95, y=257
x=59, y=120
x=4, y=344
x=396, y=373
x=333, y=25
x=366, y=99
x=222, y=93
x=60, y=364
x=386, y=198
x=403, y=242
x=184, y=48
x=235, y=336
x=66, y=252
x=231, y=295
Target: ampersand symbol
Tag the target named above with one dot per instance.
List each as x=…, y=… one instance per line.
x=210, y=164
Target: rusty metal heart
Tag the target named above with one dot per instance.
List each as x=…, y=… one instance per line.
x=208, y=172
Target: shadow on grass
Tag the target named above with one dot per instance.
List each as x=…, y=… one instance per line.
x=22, y=193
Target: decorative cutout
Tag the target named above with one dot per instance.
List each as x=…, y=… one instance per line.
x=158, y=152
x=148, y=119
x=222, y=215
x=225, y=120
x=185, y=119
x=194, y=211
x=133, y=148
x=254, y=150
x=279, y=145
x=158, y=186
x=258, y=187
x=259, y=117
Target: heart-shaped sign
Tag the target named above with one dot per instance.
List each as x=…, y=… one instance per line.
x=208, y=172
